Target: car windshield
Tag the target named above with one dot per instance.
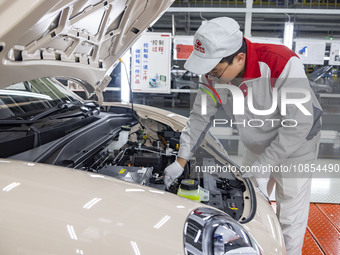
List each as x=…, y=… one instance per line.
x=28, y=98
x=317, y=74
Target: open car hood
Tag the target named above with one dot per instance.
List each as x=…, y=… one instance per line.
x=80, y=39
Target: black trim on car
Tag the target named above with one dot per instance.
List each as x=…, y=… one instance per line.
x=253, y=202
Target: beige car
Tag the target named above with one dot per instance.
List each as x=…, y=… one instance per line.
x=81, y=177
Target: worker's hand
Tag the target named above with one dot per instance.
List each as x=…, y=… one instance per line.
x=171, y=173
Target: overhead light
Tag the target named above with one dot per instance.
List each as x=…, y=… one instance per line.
x=79, y=251
x=288, y=34
x=135, y=247
x=71, y=232
x=11, y=186
x=134, y=190
x=157, y=191
x=91, y=203
x=162, y=222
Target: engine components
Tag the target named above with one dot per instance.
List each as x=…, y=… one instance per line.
x=122, y=139
x=139, y=175
x=148, y=159
x=137, y=156
x=190, y=189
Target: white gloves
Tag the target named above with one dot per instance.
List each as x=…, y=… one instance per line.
x=171, y=173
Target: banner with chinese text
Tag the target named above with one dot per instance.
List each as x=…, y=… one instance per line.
x=150, y=72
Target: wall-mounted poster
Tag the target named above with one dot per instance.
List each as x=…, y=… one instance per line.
x=334, y=54
x=311, y=52
x=183, y=46
x=151, y=56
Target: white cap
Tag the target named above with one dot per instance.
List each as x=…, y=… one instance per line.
x=214, y=40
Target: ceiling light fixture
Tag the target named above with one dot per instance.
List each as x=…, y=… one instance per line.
x=288, y=34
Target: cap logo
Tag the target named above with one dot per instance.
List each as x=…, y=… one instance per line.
x=198, y=46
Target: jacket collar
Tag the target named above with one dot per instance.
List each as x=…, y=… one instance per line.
x=252, y=64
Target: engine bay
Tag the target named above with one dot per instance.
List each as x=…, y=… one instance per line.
x=137, y=150
x=139, y=153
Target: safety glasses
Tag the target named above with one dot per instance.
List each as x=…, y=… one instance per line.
x=215, y=77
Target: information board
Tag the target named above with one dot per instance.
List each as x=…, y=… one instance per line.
x=334, y=54
x=150, y=63
x=311, y=52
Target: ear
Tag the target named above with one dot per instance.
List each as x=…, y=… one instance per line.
x=240, y=58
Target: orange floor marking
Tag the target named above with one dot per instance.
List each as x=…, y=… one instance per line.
x=327, y=236
x=323, y=230
x=310, y=247
x=332, y=212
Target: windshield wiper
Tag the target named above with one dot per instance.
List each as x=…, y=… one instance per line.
x=87, y=109
x=58, y=108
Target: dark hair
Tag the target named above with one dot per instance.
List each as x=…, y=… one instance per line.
x=230, y=58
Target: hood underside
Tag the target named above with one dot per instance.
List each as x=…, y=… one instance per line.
x=80, y=39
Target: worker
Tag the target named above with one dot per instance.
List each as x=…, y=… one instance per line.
x=287, y=136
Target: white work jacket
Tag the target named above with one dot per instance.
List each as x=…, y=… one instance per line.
x=270, y=69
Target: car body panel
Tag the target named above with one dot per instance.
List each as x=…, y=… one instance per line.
x=186, y=80
x=54, y=210
x=78, y=39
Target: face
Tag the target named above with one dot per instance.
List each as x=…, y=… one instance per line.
x=225, y=72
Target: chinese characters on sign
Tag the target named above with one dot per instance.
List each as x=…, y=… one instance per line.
x=151, y=63
x=137, y=64
x=145, y=61
x=157, y=45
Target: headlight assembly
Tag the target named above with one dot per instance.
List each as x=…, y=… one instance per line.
x=210, y=232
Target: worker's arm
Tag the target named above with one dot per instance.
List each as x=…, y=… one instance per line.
x=197, y=125
x=182, y=161
x=192, y=135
